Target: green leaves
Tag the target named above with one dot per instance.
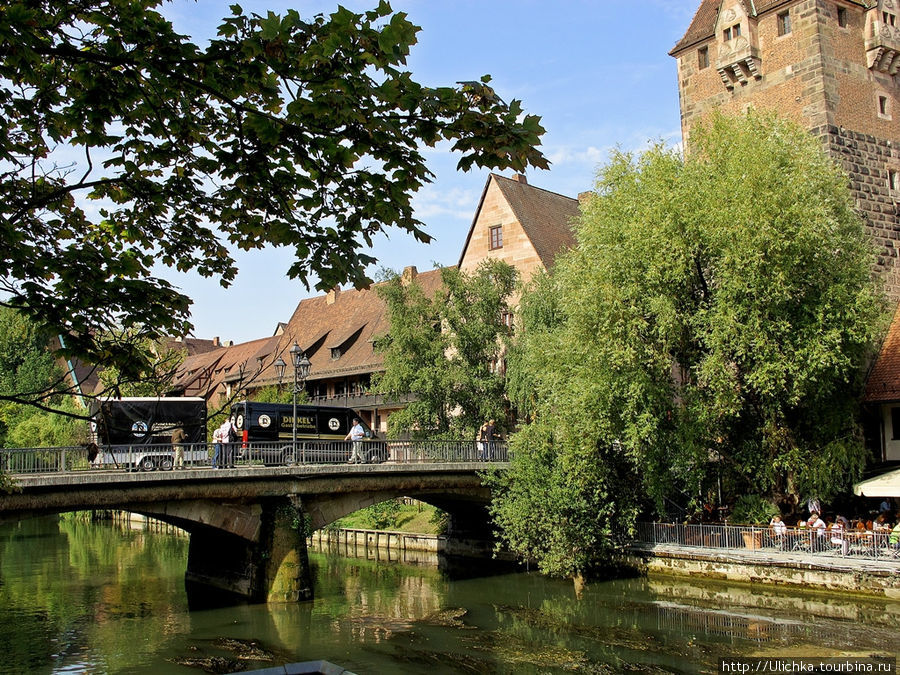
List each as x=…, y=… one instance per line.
x=713, y=323
x=304, y=129
x=442, y=348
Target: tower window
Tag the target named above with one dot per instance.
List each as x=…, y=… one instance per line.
x=732, y=32
x=884, y=109
x=703, y=58
x=496, y=237
x=894, y=185
x=784, y=23
x=842, y=17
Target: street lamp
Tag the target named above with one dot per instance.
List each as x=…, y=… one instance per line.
x=301, y=372
x=280, y=367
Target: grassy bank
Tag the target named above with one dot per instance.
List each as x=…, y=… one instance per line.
x=398, y=516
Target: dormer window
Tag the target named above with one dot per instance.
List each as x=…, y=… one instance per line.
x=888, y=19
x=335, y=353
x=732, y=32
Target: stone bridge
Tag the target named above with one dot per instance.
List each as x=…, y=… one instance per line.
x=248, y=525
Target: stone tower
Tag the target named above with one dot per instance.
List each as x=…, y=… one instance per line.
x=830, y=65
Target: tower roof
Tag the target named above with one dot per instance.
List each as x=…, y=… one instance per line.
x=703, y=25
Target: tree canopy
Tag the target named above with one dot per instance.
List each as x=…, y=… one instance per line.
x=27, y=366
x=124, y=144
x=448, y=350
x=713, y=321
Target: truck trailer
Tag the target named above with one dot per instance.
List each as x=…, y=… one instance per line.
x=136, y=432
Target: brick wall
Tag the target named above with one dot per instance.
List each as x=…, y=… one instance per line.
x=866, y=159
x=817, y=75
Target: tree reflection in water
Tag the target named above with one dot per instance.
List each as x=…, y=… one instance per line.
x=89, y=597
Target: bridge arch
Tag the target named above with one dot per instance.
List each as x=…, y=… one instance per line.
x=247, y=525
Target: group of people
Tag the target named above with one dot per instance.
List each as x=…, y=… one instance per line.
x=224, y=439
x=820, y=533
x=485, y=441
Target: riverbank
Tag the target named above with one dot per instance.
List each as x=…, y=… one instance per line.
x=409, y=547
x=877, y=578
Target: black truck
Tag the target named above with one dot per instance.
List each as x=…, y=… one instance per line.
x=266, y=433
x=136, y=432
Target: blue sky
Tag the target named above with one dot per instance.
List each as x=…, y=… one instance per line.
x=598, y=73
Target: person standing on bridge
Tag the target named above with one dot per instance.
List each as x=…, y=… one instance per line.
x=220, y=438
x=178, y=438
x=489, y=432
x=482, y=443
x=356, y=436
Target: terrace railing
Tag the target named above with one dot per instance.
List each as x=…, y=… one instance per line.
x=796, y=540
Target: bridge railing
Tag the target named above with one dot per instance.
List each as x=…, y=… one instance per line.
x=164, y=457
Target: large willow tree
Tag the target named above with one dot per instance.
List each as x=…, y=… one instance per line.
x=712, y=321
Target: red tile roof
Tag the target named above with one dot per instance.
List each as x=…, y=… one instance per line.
x=348, y=320
x=883, y=384
x=206, y=374
x=703, y=25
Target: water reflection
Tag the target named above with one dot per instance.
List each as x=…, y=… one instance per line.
x=77, y=596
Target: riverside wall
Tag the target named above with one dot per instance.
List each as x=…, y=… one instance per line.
x=869, y=577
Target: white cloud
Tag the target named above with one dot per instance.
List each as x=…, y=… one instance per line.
x=456, y=203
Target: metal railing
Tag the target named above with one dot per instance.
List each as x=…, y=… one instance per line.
x=166, y=457
x=797, y=540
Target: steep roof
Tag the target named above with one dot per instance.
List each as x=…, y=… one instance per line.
x=883, y=384
x=205, y=374
x=192, y=345
x=545, y=216
x=344, y=320
x=703, y=25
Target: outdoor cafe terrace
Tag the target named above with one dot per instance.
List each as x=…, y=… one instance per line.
x=851, y=549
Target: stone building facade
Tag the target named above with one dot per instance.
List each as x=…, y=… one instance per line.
x=523, y=225
x=832, y=66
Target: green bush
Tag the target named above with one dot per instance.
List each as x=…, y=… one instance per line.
x=753, y=510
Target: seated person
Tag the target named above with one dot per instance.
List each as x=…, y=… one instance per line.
x=837, y=535
x=817, y=531
x=882, y=528
x=894, y=539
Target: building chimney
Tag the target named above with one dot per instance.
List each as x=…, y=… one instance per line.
x=332, y=296
x=409, y=273
x=583, y=197
x=216, y=342
x=520, y=178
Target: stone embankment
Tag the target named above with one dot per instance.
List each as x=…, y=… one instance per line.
x=880, y=578
x=406, y=546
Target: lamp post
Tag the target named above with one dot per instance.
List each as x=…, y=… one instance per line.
x=301, y=372
x=280, y=367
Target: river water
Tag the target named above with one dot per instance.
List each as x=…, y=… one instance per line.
x=93, y=597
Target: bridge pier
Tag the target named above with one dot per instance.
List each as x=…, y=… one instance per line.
x=273, y=567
